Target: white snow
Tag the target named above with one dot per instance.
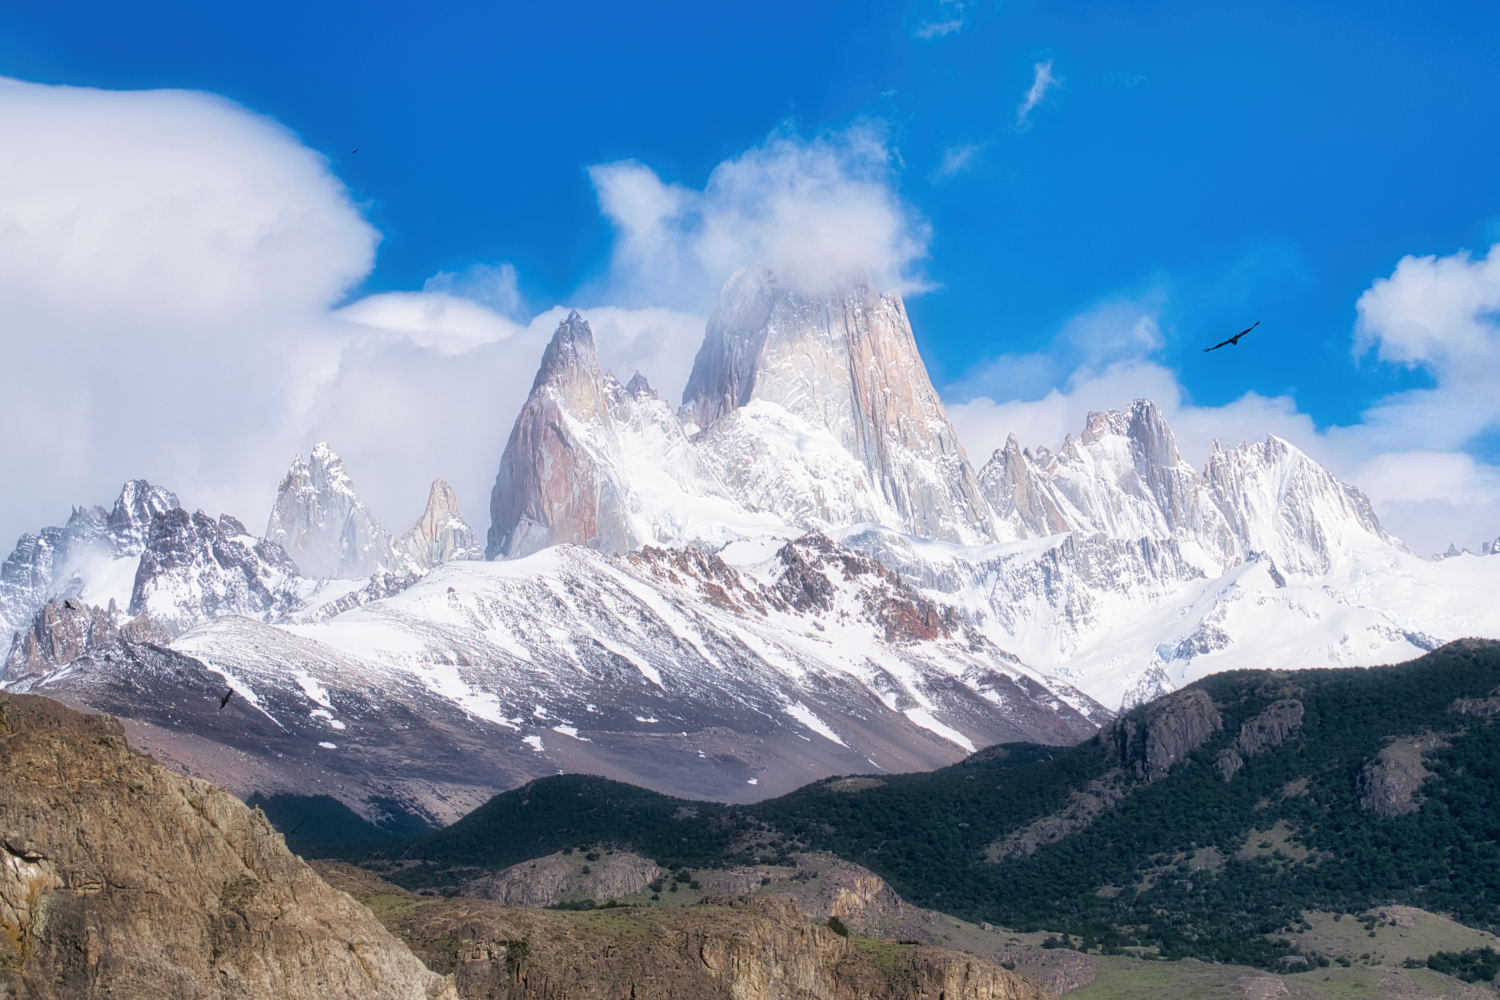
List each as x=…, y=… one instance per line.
x=805, y=715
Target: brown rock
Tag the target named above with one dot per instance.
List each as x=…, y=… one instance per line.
x=729, y=947
x=551, y=487
x=557, y=877
x=121, y=879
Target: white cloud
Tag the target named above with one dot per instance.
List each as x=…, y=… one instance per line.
x=170, y=265
x=957, y=159
x=1438, y=314
x=166, y=260
x=814, y=210
x=496, y=288
x=1042, y=81
x=1405, y=453
x=942, y=18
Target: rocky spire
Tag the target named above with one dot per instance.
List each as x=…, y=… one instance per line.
x=1019, y=500
x=558, y=480
x=844, y=361
x=440, y=535
x=320, y=522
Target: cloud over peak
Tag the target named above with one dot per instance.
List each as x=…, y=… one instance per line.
x=813, y=210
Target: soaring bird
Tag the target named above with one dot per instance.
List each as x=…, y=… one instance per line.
x=1233, y=341
x=225, y=700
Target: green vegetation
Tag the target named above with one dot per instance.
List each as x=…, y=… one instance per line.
x=1190, y=865
x=1479, y=965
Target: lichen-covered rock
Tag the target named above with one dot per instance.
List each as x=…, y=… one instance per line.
x=1389, y=782
x=558, y=877
x=120, y=879
x=1271, y=727
x=1153, y=739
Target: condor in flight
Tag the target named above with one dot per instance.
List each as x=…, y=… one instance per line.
x=1233, y=341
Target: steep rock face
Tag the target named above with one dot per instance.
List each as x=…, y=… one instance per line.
x=1278, y=501
x=729, y=947
x=92, y=557
x=1271, y=727
x=319, y=521
x=1389, y=783
x=121, y=879
x=844, y=363
x=558, y=481
x=440, y=534
x=1153, y=739
x=63, y=631
x=558, y=877
x=194, y=569
x=1124, y=478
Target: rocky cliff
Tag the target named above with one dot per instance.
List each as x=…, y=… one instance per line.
x=842, y=365
x=194, y=569
x=557, y=481
x=440, y=535
x=92, y=558
x=739, y=947
x=121, y=879
x=319, y=521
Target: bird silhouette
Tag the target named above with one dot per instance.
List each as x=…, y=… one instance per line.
x=1233, y=341
x=225, y=700
x=296, y=828
x=353, y=151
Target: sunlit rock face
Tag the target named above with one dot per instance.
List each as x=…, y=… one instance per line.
x=440, y=535
x=1123, y=478
x=559, y=479
x=783, y=373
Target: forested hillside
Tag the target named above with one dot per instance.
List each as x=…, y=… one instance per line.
x=1202, y=824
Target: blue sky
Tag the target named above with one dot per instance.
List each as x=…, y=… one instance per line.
x=1198, y=165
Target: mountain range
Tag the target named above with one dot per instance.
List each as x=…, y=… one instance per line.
x=795, y=573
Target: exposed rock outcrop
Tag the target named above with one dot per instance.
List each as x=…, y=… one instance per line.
x=1271, y=727
x=80, y=559
x=1162, y=733
x=65, y=630
x=1390, y=782
x=1228, y=763
x=120, y=879
x=726, y=948
x=556, y=483
x=558, y=877
x=845, y=363
x=1124, y=477
x=194, y=569
x=440, y=535
x=321, y=524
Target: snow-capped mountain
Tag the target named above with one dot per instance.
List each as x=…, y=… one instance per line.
x=820, y=409
x=321, y=524
x=794, y=574
x=92, y=558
